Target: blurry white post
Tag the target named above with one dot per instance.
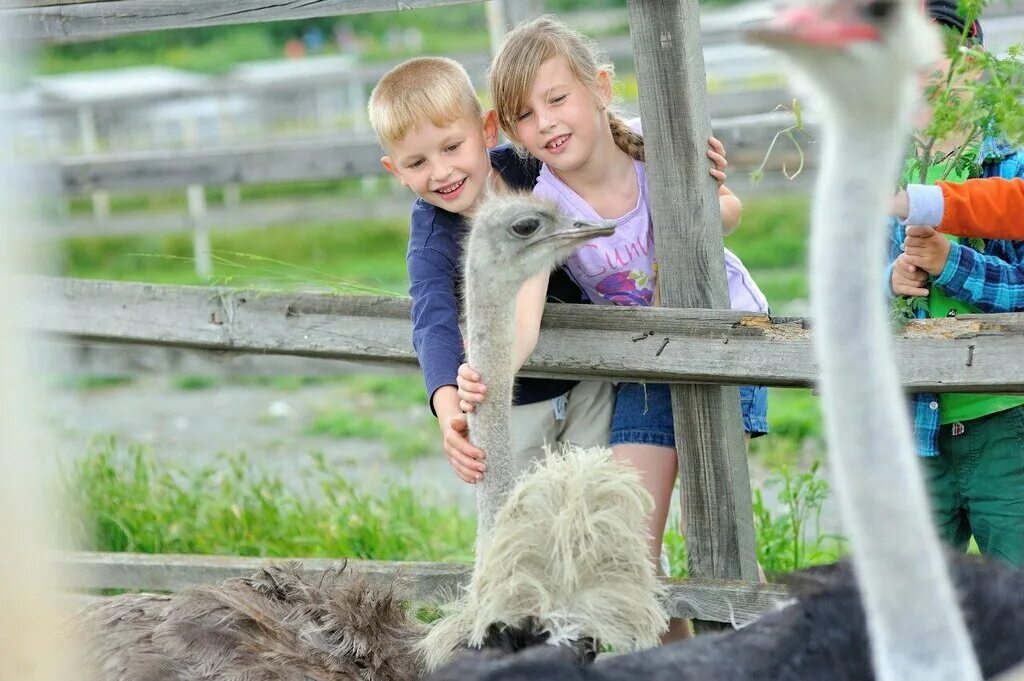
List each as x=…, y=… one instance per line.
x=504, y=14
x=28, y=605
x=196, y=199
x=90, y=145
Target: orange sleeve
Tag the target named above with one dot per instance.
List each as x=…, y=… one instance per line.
x=991, y=208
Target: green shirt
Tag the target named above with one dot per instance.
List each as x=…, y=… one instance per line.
x=954, y=407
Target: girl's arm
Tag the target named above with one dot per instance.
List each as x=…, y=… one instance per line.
x=729, y=205
x=529, y=310
x=731, y=208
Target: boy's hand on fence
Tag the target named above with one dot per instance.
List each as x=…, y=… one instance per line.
x=907, y=279
x=471, y=391
x=926, y=249
x=466, y=460
x=716, y=152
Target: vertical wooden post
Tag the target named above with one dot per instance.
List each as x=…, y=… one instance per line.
x=688, y=235
x=29, y=650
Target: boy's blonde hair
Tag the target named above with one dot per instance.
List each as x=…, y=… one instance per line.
x=435, y=89
x=530, y=44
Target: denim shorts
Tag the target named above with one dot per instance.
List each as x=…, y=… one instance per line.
x=643, y=413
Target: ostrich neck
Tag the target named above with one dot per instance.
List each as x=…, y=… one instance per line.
x=914, y=621
x=490, y=315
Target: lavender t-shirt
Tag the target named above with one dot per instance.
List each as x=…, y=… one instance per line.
x=619, y=269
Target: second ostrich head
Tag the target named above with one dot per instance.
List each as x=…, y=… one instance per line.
x=862, y=55
x=512, y=238
x=863, y=59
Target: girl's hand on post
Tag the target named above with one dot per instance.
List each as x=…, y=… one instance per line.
x=716, y=152
x=471, y=391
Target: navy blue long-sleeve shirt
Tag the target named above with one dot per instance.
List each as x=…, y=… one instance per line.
x=434, y=261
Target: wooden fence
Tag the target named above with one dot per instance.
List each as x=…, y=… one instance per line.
x=709, y=346
x=979, y=353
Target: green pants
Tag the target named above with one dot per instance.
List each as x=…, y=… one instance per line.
x=976, y=484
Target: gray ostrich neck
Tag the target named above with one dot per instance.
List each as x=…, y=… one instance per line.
x=490, y=313
x=916, y=630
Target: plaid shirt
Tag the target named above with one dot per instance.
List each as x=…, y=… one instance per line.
x=992, y=281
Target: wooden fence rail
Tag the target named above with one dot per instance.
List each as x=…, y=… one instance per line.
x=75, y=20
x=714, y=600
x=746, y=139
x=968, y=353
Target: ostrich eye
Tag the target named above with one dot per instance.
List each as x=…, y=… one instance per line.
x=525, y=226
x=879, y=9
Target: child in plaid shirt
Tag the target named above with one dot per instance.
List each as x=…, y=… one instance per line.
x=971, y=445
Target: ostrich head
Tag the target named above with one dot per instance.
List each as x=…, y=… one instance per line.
x=844, y=44
x=516, y=236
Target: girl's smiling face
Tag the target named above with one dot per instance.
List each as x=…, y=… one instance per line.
x=562, y=120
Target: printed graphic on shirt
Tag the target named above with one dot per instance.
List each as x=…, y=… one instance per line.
x=627, y=288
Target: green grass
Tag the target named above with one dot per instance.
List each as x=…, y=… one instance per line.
x=123, y=499
x=95, y=382
x=343, y=256
x=773, y=233
x=194, y=382
x=771, y=242
x=794, y=418
x=390, y=391
x=405, y=439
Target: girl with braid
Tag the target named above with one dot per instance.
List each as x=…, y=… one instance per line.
x=552, y=96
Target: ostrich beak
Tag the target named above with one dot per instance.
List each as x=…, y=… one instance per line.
x=814, y=26
x=581, y=230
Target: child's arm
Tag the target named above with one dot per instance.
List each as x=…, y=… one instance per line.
x=728, y=203
x=529, y=310
x=991, y=282
x=991, y=208
x=438, y=344
x=731, y=209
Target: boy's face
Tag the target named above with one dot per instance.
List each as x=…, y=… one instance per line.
x=446, y=166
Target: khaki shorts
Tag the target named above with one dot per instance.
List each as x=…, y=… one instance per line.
x=582, y=416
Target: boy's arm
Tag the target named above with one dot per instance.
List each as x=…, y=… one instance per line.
x=438, y=344
x=435, y=317
x=990, y=208
x=990, y=283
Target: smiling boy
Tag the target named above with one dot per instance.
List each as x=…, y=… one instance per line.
x=440, y=143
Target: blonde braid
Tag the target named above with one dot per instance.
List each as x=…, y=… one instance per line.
x=626, y=138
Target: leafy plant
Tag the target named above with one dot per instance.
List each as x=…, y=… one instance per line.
x=978, y=94
x=788, y=540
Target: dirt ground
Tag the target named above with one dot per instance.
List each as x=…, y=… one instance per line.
x=269, y=424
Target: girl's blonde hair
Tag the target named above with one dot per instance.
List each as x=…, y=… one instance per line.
x=515, y=67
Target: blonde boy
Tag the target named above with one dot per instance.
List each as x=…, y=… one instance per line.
x=441, y=144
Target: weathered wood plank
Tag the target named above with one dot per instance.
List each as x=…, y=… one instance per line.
x=97, y=359
x=103, y=18
x=688, y=237
x=746, y=139
x=708, y=346
x=720, y=601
